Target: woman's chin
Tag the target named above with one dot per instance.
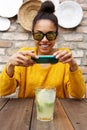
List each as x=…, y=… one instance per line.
x=44, y=52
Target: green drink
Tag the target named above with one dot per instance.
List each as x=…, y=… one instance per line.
x=45, y=99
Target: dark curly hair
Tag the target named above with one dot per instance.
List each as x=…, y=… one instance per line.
x=46, y=11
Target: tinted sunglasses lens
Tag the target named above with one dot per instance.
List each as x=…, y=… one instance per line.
x=38, y=36
x=51, y=35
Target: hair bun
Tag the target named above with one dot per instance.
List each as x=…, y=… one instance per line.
x=47, y=7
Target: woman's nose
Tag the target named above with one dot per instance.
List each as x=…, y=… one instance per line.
x=44, y=39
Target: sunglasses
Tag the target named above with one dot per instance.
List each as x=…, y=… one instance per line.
x=40, y=35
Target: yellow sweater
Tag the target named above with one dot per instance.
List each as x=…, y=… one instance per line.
x=54, y=76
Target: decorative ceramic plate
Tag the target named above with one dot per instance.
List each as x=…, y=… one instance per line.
x=9, y=8
x=4, y=24
x=69, y=14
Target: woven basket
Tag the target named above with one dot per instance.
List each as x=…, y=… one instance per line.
x=27, y=12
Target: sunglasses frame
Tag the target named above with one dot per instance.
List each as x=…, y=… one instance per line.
x=45, y=34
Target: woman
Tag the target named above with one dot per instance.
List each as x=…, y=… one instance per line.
x=24, y=72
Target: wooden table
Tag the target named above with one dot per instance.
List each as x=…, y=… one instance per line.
x=20, y=114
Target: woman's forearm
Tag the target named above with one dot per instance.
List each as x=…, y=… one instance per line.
x=10, y=69
x=74, y=67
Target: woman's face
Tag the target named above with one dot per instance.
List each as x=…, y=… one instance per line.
x=44, y=46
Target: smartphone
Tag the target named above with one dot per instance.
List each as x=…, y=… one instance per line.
x=45, y=59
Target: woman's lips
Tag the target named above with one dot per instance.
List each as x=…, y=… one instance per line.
x=44, y=46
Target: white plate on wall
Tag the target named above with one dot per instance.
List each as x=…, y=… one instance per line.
x=4, y=24
x=69, y=14
x=9, y=8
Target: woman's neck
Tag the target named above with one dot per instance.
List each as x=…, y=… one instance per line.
x=50, y=53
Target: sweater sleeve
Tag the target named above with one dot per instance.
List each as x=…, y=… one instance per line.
x=8, y=85
x=78, y=87
x=74, y=84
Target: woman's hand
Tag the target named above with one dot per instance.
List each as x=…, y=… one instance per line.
x=22, y=58
x=66, y=57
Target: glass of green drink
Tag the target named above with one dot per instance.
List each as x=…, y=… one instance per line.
x=45, y=99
